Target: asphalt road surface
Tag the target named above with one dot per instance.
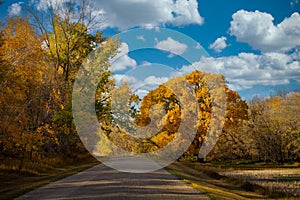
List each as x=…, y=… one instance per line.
x=102, y=182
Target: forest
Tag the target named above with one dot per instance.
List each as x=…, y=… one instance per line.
x=39, y=61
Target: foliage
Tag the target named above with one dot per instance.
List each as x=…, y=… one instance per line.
x=26, y=90
x=263, y=130
x=36, y=77
x=69, y=44
x=231, y=144
x=163, y=102
x=274, y=128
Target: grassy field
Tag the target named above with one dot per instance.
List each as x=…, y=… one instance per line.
x=286, y=181
x=219, y=182
x=14, y=183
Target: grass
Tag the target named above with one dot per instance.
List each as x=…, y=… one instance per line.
x=207, y=179
x=278, y=182
x=15, y=183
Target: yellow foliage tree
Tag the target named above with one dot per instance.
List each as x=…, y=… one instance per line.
x=25, y=89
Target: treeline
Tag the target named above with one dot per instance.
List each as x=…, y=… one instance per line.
x=39, y=58
x=262, y=130
x=271, y=133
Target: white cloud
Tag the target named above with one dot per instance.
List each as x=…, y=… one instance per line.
x=15, y=9
x=93, y=15
x=122, y=78
x=219, y=44
x=140, y=37
x=258, y=30
x=148, y=84
x=172, y=46
x=146, y=63
x=122, y=61
x=44, y=4
x=140, y=87
x=125, y=14
x=155, y=80
x=247, y=69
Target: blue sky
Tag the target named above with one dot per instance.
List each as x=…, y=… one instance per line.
x=255, y=44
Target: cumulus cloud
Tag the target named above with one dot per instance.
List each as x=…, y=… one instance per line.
x=155, y=80
x=258, y=30
x=123, y=78
x=125, y=14
x=122, y=61
x=219, y=44
x=172, y=46
x=140, y=87
x=15, y=9
x=92, y=14
x=247, y=69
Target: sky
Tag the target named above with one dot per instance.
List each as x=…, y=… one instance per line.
x=254, y=44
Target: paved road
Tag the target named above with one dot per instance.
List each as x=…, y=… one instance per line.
x=102, y=182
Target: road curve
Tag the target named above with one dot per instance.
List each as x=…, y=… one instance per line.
x=102, y=182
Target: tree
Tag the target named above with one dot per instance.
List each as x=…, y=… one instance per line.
x=68, y=40
x=274, y=128
x=233, y=144
x=25, y=87
x=66, y=27
x=69, y=45
x=211, y=97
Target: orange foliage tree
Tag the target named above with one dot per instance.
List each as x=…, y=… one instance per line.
x=200, y=86
x=26, y=82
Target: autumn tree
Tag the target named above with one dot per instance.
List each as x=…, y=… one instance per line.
x=25, y=87
x=233, y=143
x=211, y=95
x=273, y=128
x=38, y=65
x=68, y=40
x=66, y=28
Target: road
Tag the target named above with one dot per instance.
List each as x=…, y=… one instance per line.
x=102, y=182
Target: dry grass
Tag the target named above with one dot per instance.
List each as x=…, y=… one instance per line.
x=286, y=181
x=215, y=186
x=232, y=181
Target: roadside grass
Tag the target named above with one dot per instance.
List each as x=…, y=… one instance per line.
x=15, y=182
x=206, y=178
x=278, y=182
